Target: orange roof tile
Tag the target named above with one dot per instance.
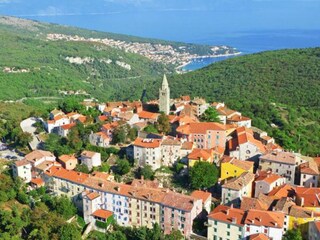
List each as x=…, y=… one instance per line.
x=110, y=126
x=200, y=128
x=265, y=218
x=311, y=196
x=253, y=203
x=148, y=115
x=68, y=126
x=37, y=181
x=65, y=158
x=92, y=195
x=258, y=236
x=228, y=215
x=204, y=196
x=310, y=168
x=187, y=145
x=147, y=143
x=285, y=190
x=102, y=213
x=37, y=154
x=103, y=118
x=238, y=118
x=266, y=177
x=70, y=175
x=201, y=154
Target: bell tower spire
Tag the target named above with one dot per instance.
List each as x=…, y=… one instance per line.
x=164, y=96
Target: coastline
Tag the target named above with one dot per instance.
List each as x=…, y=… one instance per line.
x=179, y=69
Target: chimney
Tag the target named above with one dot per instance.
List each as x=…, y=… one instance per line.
x=302, y=201
x=231, y=206
x=101, y=184
x=312, y=214
x=79, y=173
x=227, y=212
x=276, y=224
x=234, y=220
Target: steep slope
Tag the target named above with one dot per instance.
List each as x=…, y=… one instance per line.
x=286, y=76
x=279, y=90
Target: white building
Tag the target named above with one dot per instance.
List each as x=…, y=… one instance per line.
x=148, y=152
x=22, y=169
x=271, y=224
x=91, y=159
x=244, y=146
x=225, y=223
x=309, y=174
x=100, y=139
x=265, y=182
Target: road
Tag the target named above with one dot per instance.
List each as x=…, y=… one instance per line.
x=26, y=126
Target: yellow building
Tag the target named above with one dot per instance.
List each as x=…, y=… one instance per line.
x=299, y=217
x=200, y=155
x=231, y=167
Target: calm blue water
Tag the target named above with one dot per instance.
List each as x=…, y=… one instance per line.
x=257, y=41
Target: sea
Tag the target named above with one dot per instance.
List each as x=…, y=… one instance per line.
x=257, y=41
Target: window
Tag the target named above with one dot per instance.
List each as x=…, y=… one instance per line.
x=228, y=226
x=228, y=233
x=215, y=222
x=214, y=229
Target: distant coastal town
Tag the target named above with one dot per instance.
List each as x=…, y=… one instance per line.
x=161, y=53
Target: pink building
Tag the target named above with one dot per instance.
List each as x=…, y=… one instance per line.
x=205, y=135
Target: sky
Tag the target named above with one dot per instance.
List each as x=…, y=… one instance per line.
x=182, y=20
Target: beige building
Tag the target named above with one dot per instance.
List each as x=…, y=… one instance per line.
x=69, y=162
x=170, y=150
x=281, y=163
x=91, y=159
x=233, y=190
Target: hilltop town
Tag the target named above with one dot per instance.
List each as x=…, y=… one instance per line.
x=196, y=169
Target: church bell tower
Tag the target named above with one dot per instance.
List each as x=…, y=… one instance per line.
x=164, y=96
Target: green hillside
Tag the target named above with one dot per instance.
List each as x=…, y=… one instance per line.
x=48, y=71
x=277, y=87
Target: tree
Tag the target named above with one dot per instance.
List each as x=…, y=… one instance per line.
x=146, y=172
x=210, y=115
x=155, y=232
x=203, y=175
x=123, y=166
x=82, y=168
x=293, y=234
x=120, y=134
x=23, y=138
x=151, y=129
x=163, y=124
x=64, y=207
x=174, y=235
x=71, y=104
x=69, y=232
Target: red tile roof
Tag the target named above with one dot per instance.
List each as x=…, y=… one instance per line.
x=240, y=182
x=200, y=128
x=37, y=181
x=201, y=154
x=310, y=168
x=258, y=236
x=204, y=196
x=265, y=218
x=253, y=203
x=148, y=115
x=245, y=165
x=65, y=158
x=228, y=215
x=267, y=177
x=102, y=213
x=20, y=163
x=92, y=195
x=147, y=143
x=285, y=190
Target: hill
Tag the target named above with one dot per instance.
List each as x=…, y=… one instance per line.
x=276, y=88
x=79, y=61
